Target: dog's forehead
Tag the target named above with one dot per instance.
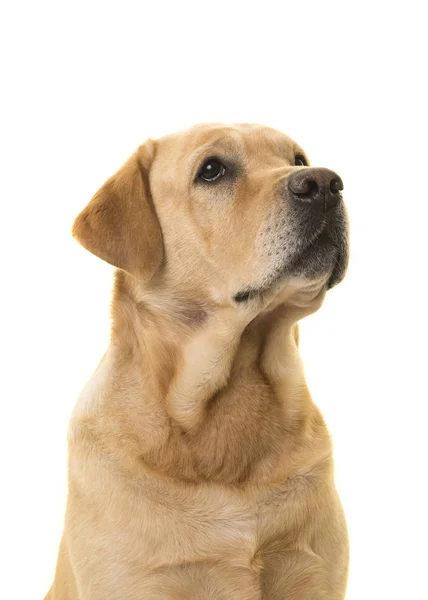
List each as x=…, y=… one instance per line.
x=248, y=140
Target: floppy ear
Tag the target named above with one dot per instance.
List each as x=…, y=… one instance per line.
x=119, y=224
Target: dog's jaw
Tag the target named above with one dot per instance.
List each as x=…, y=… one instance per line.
x=321, y=258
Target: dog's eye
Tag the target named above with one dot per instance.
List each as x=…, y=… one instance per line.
x=300, y=161
x=211, y=170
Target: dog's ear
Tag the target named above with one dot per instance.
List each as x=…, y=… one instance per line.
x=120, y=224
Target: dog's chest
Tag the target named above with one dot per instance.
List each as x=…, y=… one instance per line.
x=160, y=523
x=142, y=529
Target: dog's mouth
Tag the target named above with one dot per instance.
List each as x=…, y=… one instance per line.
x=325, y=258
x=309, y=263
x=322, y=255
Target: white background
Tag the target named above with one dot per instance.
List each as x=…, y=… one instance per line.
x=82, y=85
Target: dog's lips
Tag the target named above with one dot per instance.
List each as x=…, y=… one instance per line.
x=322, y=258
x=327, y=252
x=321, y=240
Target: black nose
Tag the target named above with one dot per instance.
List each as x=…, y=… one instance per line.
x=319, y=188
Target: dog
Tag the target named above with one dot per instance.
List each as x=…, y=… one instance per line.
x=199, y=467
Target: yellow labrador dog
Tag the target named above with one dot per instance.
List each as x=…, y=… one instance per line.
x=199, y=467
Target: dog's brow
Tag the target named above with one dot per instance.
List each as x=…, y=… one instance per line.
x=212, y=145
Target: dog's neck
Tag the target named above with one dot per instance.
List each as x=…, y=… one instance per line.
x=194, y=361
x=196, y=350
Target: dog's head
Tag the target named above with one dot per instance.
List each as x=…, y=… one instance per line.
x=225, y=215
